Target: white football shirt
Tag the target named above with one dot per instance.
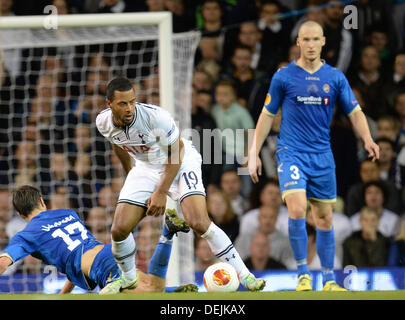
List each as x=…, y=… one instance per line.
x=146, y=139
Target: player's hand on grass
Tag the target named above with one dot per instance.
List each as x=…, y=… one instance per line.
x=156, y=204
x=255, y=167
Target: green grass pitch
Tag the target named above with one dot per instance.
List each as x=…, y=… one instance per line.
x=280, y=295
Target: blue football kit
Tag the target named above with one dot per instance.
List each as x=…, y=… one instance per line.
x=59, y=238
x=307, y=100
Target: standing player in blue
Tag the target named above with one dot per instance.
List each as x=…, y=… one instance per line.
x=59, y=238
x=307, y=91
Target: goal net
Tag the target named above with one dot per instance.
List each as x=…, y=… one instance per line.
x=52, y=86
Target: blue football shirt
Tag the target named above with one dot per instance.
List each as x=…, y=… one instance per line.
x=307, y=103
x=57, y=237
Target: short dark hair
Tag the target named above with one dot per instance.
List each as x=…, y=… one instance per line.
x=386, y=140
x=380, y=185
x=25, y=199
x=118, y=84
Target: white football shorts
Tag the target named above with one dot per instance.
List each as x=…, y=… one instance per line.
x=143, y=180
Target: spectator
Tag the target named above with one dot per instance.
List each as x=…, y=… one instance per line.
x=338, y=49
x=388, y=127
x=202, y=80
x=395, y=82
x=374, y=198
x=59, y=199
x=345, y=147
x=276, y=33
x=208, y=57
x=204, y=125
x=390, y=170
x=181, y=20
x=378, y=38
x=259, y=258
x=234, y=121
x=266, y=193
x=13, y=222
x=242, y=74
x=82, y=140
x=371, y=123
x=280, y=247
x=83, y=186
x=211, y=14
x=87, y=107
x=116, y=169
x=293, y=53
x=6, y=211
x=25, y=168
x=54, y=64
x=85, y=140
x=366, y=247
x=371, y=13
x=58, y=175
x=107, y=198
x=231, y=185
x=396, y=254
x=99, y=221
x=203, y=254
x=369, y=172
x=250, y=35
x=400, y=111
x=12, y=57
x=3, y=236
x=313, y=13
x=221, y=213
x=369, y=81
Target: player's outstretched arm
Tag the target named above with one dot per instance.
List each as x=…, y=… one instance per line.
x=67, y=288
x=359, y=122
x=262, y=131
x=5, y=262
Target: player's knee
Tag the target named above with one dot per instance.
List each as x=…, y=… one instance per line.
x=199, y=222
x=297, y=210
x=324, y=221
x=118, y=233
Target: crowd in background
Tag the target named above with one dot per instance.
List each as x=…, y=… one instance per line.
x=243, y=42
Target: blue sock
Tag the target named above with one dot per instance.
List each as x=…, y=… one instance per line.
x=160, y=260
x=297, y=233
x=166, y=233
x=325, y=247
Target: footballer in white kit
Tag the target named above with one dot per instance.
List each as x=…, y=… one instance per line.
x=158, y=163
x=146, y=140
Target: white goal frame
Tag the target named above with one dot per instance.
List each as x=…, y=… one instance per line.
x=165, y=63
x=162, y=19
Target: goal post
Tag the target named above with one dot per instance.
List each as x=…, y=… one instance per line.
x=175, y=62
x=162, y=19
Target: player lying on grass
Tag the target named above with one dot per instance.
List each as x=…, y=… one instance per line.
x=59, y=238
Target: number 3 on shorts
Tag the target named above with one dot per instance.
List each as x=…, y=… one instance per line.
x=295, y=175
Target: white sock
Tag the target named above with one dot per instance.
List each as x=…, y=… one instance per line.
x=124, y=254
x=223, y=248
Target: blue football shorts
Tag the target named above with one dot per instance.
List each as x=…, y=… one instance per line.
x=311, y=172
x=104, y=267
